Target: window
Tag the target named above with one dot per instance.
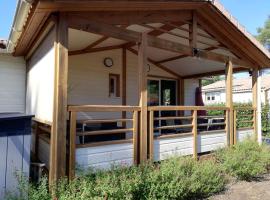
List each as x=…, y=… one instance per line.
x=213, y=97
x=114, y=85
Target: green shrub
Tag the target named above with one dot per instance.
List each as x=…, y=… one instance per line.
x=241, y=123
x=184, y=178
x=178, y=178
x=246, y=160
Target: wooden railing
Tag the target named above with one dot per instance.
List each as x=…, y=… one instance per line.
x=74, y=132
x=191, y=126
x=244, y=117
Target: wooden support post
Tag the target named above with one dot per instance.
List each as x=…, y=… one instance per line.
x=135, y=137
x=228, y=127
x=58, y=133
x=72, y=144
x=229, y=98
x=142, y=63
x=124, y=82
x=255, y=100
x=151, y=135
x=193, y=31
x=195, y=134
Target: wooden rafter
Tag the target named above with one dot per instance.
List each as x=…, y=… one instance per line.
x=90, y=47
x=182, y=56
x=216, y=33
x=93, y=50
x=156, y=64
x=132, y=36
x=214, y=73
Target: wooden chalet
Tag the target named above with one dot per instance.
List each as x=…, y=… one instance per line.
x=114, y=82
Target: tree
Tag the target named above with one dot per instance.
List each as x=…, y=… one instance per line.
x=264, y=34
x=210, y=80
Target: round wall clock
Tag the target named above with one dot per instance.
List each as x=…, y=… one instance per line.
x=108, y=62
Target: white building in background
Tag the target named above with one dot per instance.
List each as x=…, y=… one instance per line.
x=242, y=91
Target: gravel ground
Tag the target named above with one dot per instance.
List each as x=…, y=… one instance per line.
x=241, y=190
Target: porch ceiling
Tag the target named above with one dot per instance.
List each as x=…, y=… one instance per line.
x=182, y=65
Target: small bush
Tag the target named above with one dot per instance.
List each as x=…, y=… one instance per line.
x=178, y=178
x=246, y=160
x=184, y=178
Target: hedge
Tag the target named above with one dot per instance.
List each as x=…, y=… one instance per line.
x=241, y=124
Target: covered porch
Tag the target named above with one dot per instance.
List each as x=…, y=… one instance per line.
x=125, y=84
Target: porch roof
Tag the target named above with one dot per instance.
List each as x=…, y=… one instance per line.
x=218, y=31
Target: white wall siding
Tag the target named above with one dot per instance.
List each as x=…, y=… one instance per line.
x=40, y=80
x=165, y=148
x=238, y=97
x=190, y=86
x=211, y=141
x=105, y=157
x=12, y=84
x=88, y=81
x=244, y=133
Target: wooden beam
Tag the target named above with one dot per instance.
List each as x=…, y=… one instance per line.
x=222, y=37
x=142, y=65
x=108, y=30
x=156, y=64
x=90, y=5
x=229, y=98
x=182, y=56
x=94, y=50
x=135, y=17
x=214, y=73
x=58, y=136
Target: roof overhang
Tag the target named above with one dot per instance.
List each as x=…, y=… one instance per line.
x=211, y=13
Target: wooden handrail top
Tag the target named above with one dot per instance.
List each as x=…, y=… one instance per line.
x=173, y=135
x=185, y=108
x=247, y=121
x=212, y=124
x=212, y=116
x=94, y=121
x=171, y=118
x=174, y=127
x=243, y=108
x=95, y=144
x=105, y=132
x=102, y=108
x=251, y=115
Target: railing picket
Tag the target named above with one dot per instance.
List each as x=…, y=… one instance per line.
x=72, y=145
x=151, y=135
x=235, y=126
x=135, y=137
x=195, y=134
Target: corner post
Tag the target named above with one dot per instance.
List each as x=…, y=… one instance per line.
x=229, y=98
x=256, y=91
x=142, y=63
x=59, y=129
